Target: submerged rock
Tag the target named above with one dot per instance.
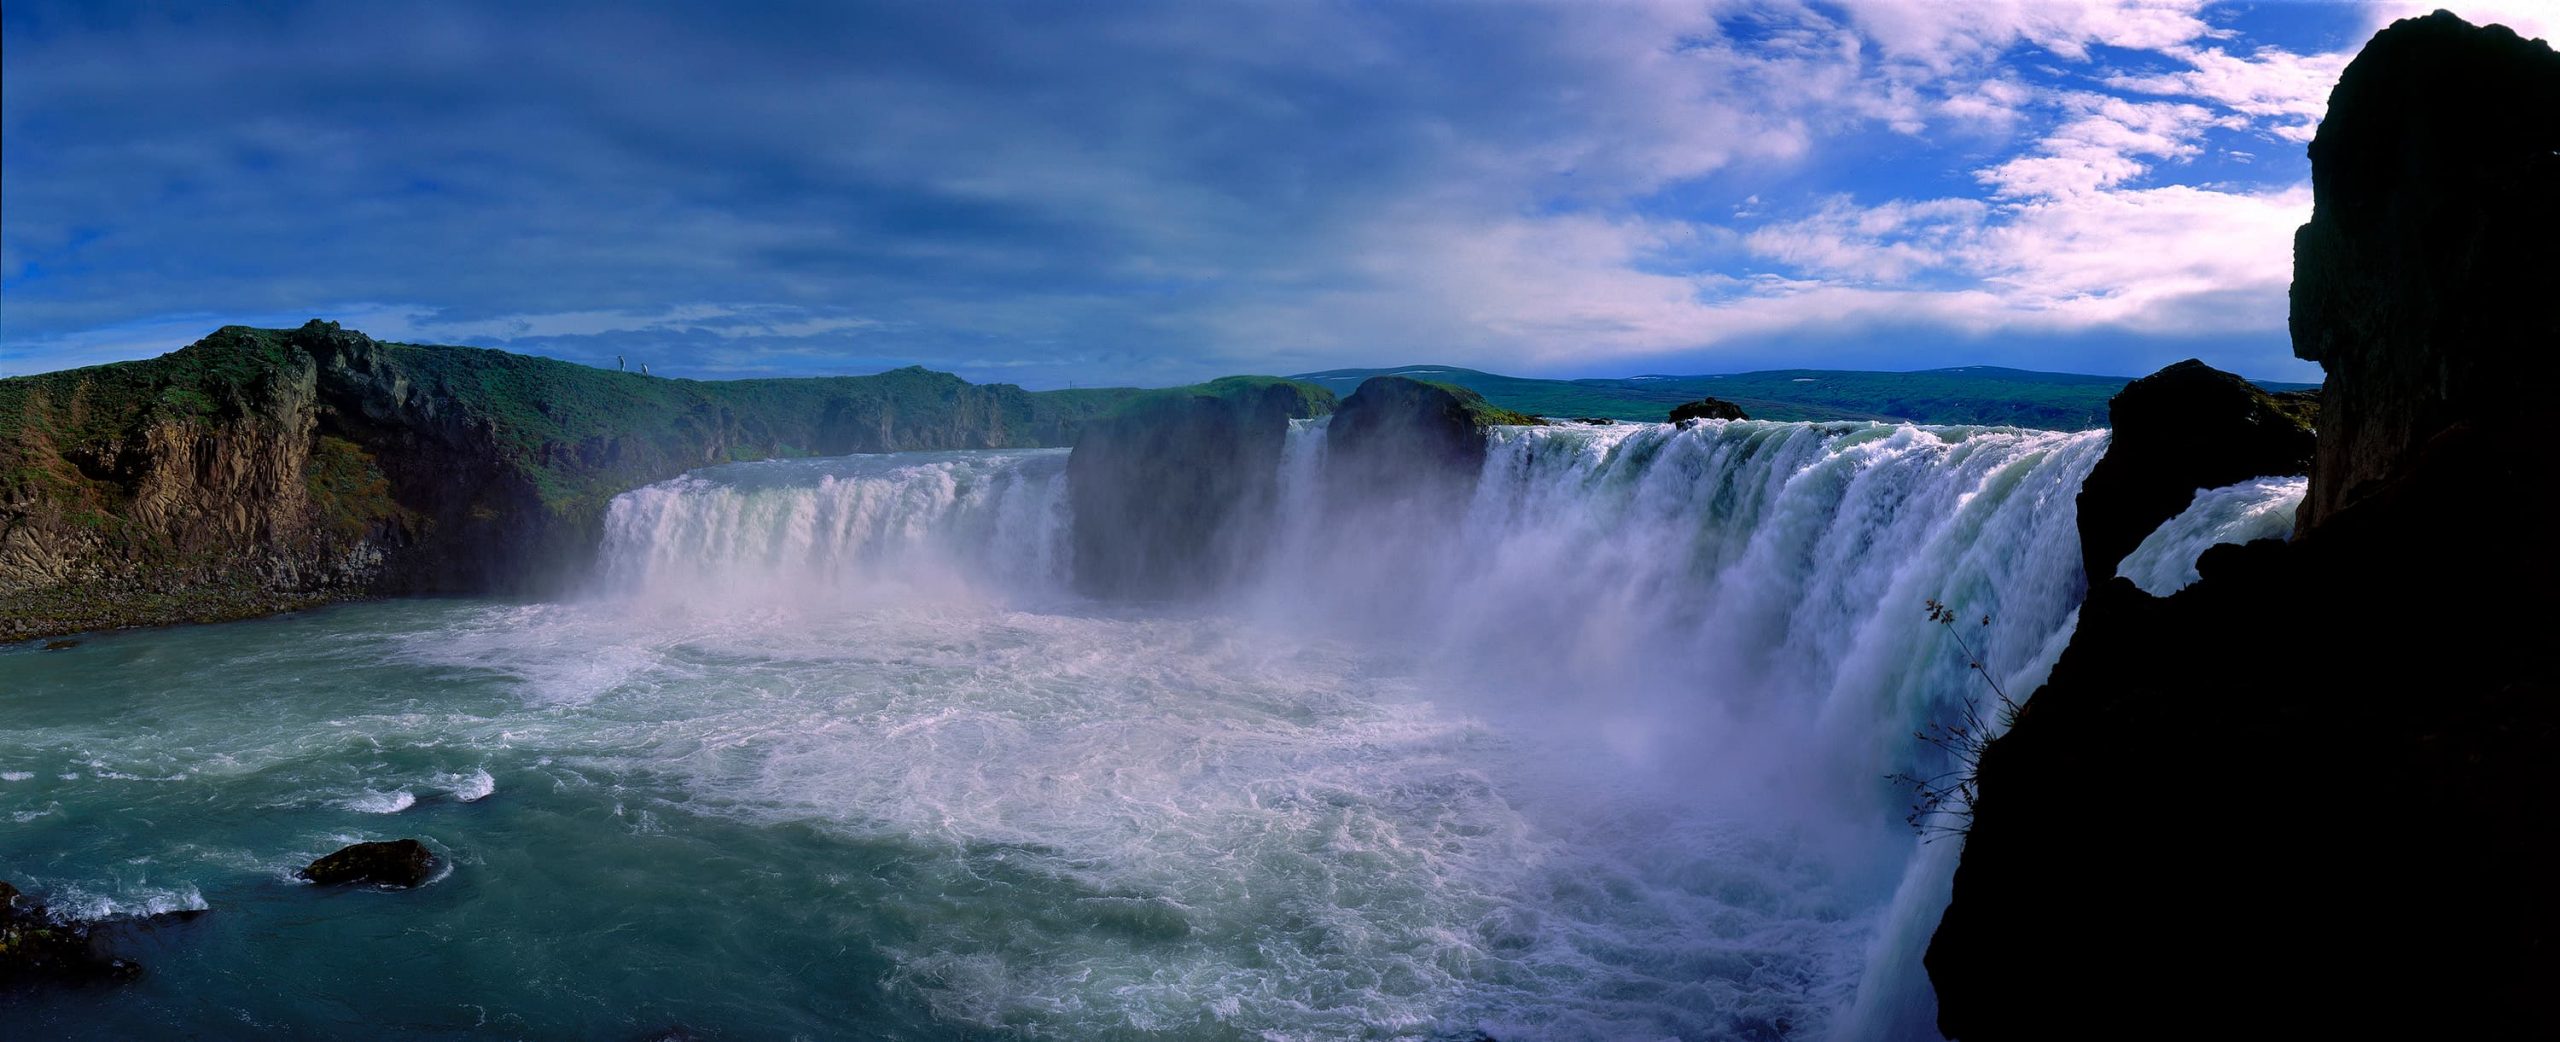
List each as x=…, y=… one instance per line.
x=2185, y=428
x=401, y=863
x=2311, y=795
x=37, y=947
x=1707, y=409
x=61, y=645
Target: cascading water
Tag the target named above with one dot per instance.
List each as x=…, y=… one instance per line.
x=1717, y=626
x=2259, y=508
x=1597, y=752
x=793, y=529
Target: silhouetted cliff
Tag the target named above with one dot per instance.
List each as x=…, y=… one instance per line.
x=2311, y=795
x=262, y=470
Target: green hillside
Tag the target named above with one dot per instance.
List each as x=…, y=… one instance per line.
x=1967, y=394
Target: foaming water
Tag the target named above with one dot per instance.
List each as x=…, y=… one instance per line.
x=831, y=751
x=2259, y=508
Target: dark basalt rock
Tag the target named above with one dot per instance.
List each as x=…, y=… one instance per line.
x=2425, y=281
x=38, y=947
x=1707, y=409
x=2311, y=795
x=1174, y=490
x=2185, y=428
x=400, y=863
x=1399, y=440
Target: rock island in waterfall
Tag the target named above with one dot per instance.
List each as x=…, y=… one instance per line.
x=700, y=522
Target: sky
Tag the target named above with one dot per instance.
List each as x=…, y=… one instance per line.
x=1154, y=193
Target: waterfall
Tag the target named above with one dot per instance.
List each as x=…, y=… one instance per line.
x=2259, y=508
x=784, y=531
x=1729, y=612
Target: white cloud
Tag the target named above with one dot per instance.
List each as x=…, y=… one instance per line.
x=1883, y=243
x=2289, y=90
x=1943, y=36
x=2105, y=142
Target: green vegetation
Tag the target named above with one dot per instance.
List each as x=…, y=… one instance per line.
x=348, y=489
x=1309, y=399
x=1483, y=413
x=1968, y=395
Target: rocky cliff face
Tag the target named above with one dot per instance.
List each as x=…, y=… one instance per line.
x=2185, y=428
x=1175, y=490
x=263, y=470
x=2310, y=795
x=2425, y=281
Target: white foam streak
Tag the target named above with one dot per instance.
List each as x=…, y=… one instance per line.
x=375, y=801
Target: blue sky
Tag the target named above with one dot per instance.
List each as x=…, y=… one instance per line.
x=1151, y=193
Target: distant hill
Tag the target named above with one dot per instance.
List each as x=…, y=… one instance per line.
x=1965, y=394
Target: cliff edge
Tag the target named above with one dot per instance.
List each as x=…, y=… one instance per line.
x=2310, y=795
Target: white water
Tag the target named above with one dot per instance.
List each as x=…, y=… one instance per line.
x=1599, y=754
x=2259, y=508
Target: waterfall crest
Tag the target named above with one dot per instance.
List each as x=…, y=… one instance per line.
x=781, y=531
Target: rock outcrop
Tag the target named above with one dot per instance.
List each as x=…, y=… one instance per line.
x=2177, y=431
x=1172, y=491
x=2425, y=281
x=1707, y=409
x=39, y=947
x=258, y=471
x=2310, y=795
x=397, y=863
x=1400, y=443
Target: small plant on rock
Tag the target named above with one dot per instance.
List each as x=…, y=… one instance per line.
x=1943, y=803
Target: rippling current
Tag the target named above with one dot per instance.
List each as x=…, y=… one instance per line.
x=830, y=751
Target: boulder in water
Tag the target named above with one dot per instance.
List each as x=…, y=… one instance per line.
x=400, y=863
x=2185, y=428
x=1707, y=409
x=37, y=946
